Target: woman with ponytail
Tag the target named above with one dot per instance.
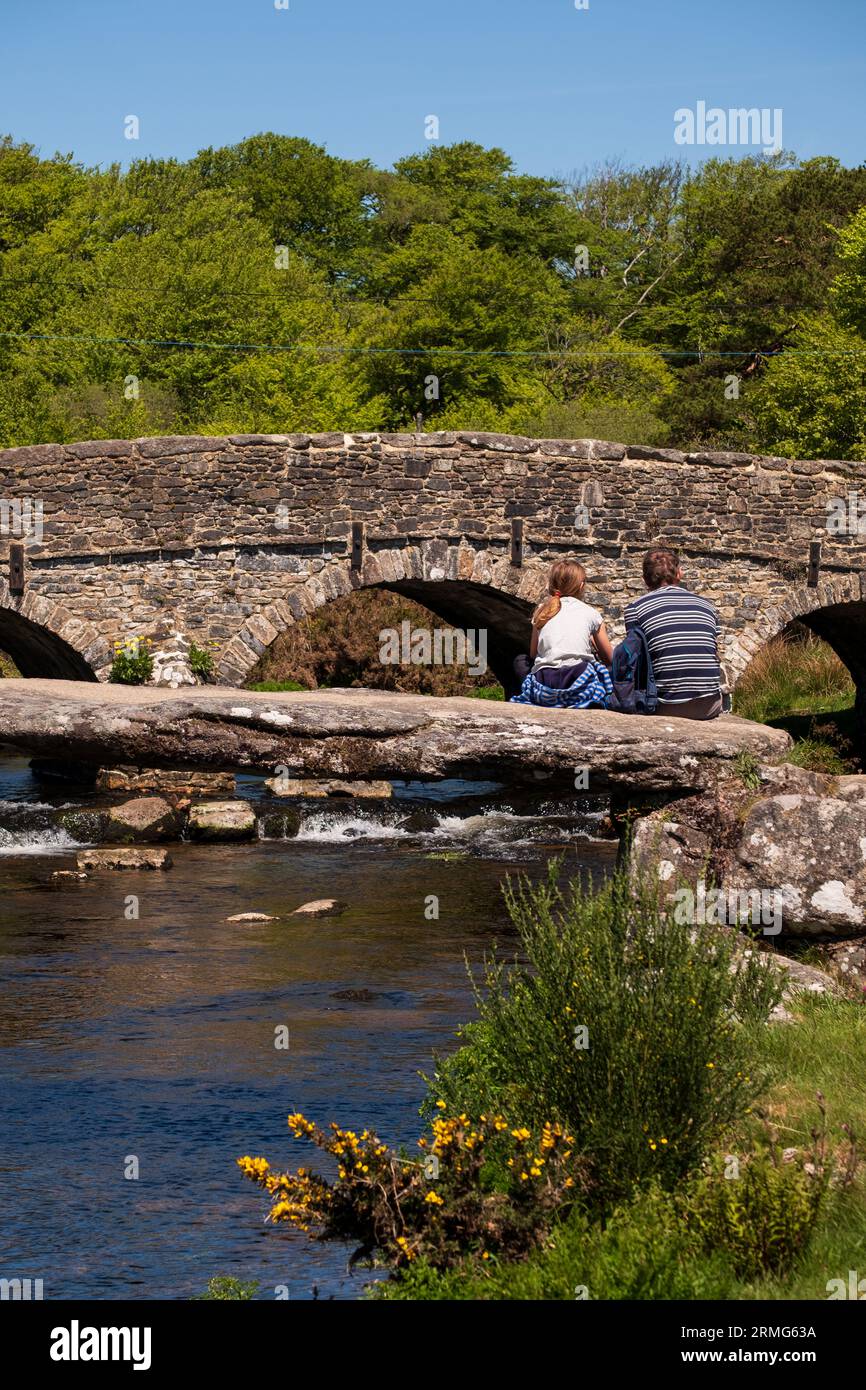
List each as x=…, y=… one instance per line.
x=570, y=650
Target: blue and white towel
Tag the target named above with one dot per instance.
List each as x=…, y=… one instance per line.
x=592, y=686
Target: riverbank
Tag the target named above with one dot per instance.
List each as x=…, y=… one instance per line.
x=646, y=1253
x=673, y=1146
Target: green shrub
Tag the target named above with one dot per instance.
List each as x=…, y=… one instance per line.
x=763, y=1218
x=200, y=662
x=643, y=1251
x=618, y=1022
x=133, y=663
x=224, y=1287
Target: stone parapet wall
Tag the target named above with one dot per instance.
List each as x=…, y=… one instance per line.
x=229, y=541
x=112, y=497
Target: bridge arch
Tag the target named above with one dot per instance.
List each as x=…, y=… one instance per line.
x=833, y=609
x=465, y=586
x=43, y=639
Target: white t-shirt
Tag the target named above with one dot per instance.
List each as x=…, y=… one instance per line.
x=565, y=639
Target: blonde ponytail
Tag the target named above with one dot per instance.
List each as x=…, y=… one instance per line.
x=567, y=579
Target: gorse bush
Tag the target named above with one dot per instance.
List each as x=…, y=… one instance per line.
x=620, y=1024
x=476, y=1190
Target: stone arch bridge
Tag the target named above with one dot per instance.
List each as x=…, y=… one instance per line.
x=230, y=541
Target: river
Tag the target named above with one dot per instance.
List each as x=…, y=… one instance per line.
x=154, y=1038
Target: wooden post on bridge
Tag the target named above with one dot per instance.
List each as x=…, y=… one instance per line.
x=359, y=540
x=517, y=541
x=16, y=568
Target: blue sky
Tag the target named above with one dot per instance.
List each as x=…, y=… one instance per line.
x=558, y=88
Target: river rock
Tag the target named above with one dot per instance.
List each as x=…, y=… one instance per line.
x=163, y=782
x=851, y=788
x=222, y=820
x=124, y=858
x=419, y=822
x=321, y=907
x=813, y=851
x=61, y=876
x=252, y=917
x=280, y=825
x=146, y=818
x=807, y=847
x=83, y=824
x=310, y=786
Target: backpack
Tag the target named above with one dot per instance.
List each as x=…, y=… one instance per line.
x=634, y=686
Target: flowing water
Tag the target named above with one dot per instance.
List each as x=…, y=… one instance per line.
x=153, y=1038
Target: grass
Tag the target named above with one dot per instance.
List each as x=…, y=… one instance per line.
x=487, y=692
x=797, y=683
x=273, y=687
x=644, y=1252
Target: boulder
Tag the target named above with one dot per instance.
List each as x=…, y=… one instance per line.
x=61, y=876
x=321, y=907
x=222, y=820
x=311, y=786
x=124, y=858
x=803, y=850
x=142, y=820
x=848, y=957
x=812, y=850
x=671, y=848
x=800, y=978
x=361, y=735
x=851, y=788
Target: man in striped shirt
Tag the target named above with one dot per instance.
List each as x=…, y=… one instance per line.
x=682, y=633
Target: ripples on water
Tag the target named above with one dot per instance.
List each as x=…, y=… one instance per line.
x=155, y=1037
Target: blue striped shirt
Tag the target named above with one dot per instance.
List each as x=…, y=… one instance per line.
x=682, y=631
